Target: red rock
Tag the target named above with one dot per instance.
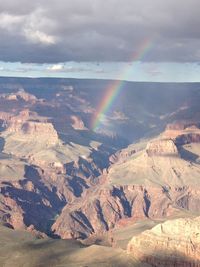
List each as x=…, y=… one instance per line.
x=173, y=243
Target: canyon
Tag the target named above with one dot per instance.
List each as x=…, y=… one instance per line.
x=61, y=179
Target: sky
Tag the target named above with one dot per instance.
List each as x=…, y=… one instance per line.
x=101, y=39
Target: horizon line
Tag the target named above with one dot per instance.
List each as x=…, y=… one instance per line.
x=101, y=79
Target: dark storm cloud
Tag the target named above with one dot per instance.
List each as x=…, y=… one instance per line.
x=95, y=30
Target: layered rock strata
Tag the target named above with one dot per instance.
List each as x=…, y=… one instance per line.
x=173, y=243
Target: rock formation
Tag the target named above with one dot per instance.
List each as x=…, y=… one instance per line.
x=183, y=133
x=30, y=125
x=77, y=123
x=121, y=206
x=173, y=243
x=20, y=95
x=40, y=129
x=162, y=147
x=121, y=156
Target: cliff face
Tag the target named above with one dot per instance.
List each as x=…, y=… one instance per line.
x=121, y=156
x=40, y=129
x=181, y=125
x=163, y=147
x=121, y=206
x=183, y=133
x=27, y=122
x=21, y=94
x=173, y=243
x=33, y=130
x=188, y=138
x=106, y=208
x=29, y=200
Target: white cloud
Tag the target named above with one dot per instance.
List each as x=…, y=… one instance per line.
x=9, y=21
x=34, y=27
x=56, y=67
x=37, y=27
x=36, y=36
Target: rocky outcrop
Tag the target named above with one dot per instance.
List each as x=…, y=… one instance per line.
x=121, y=155
x=188, y=138
x=181, y=125
x=33, y=129
x=32, y=200
x=19, y=95
x=14, y=123
x=77, y=123
x=22, y=124
x=173, y=243
x=39, y=128
x=5, y=116
x=162, y=147
x=183, y=133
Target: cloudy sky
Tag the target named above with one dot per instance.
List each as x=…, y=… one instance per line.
x=103, y=39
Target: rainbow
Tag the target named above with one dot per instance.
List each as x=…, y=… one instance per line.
x=115, y=87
